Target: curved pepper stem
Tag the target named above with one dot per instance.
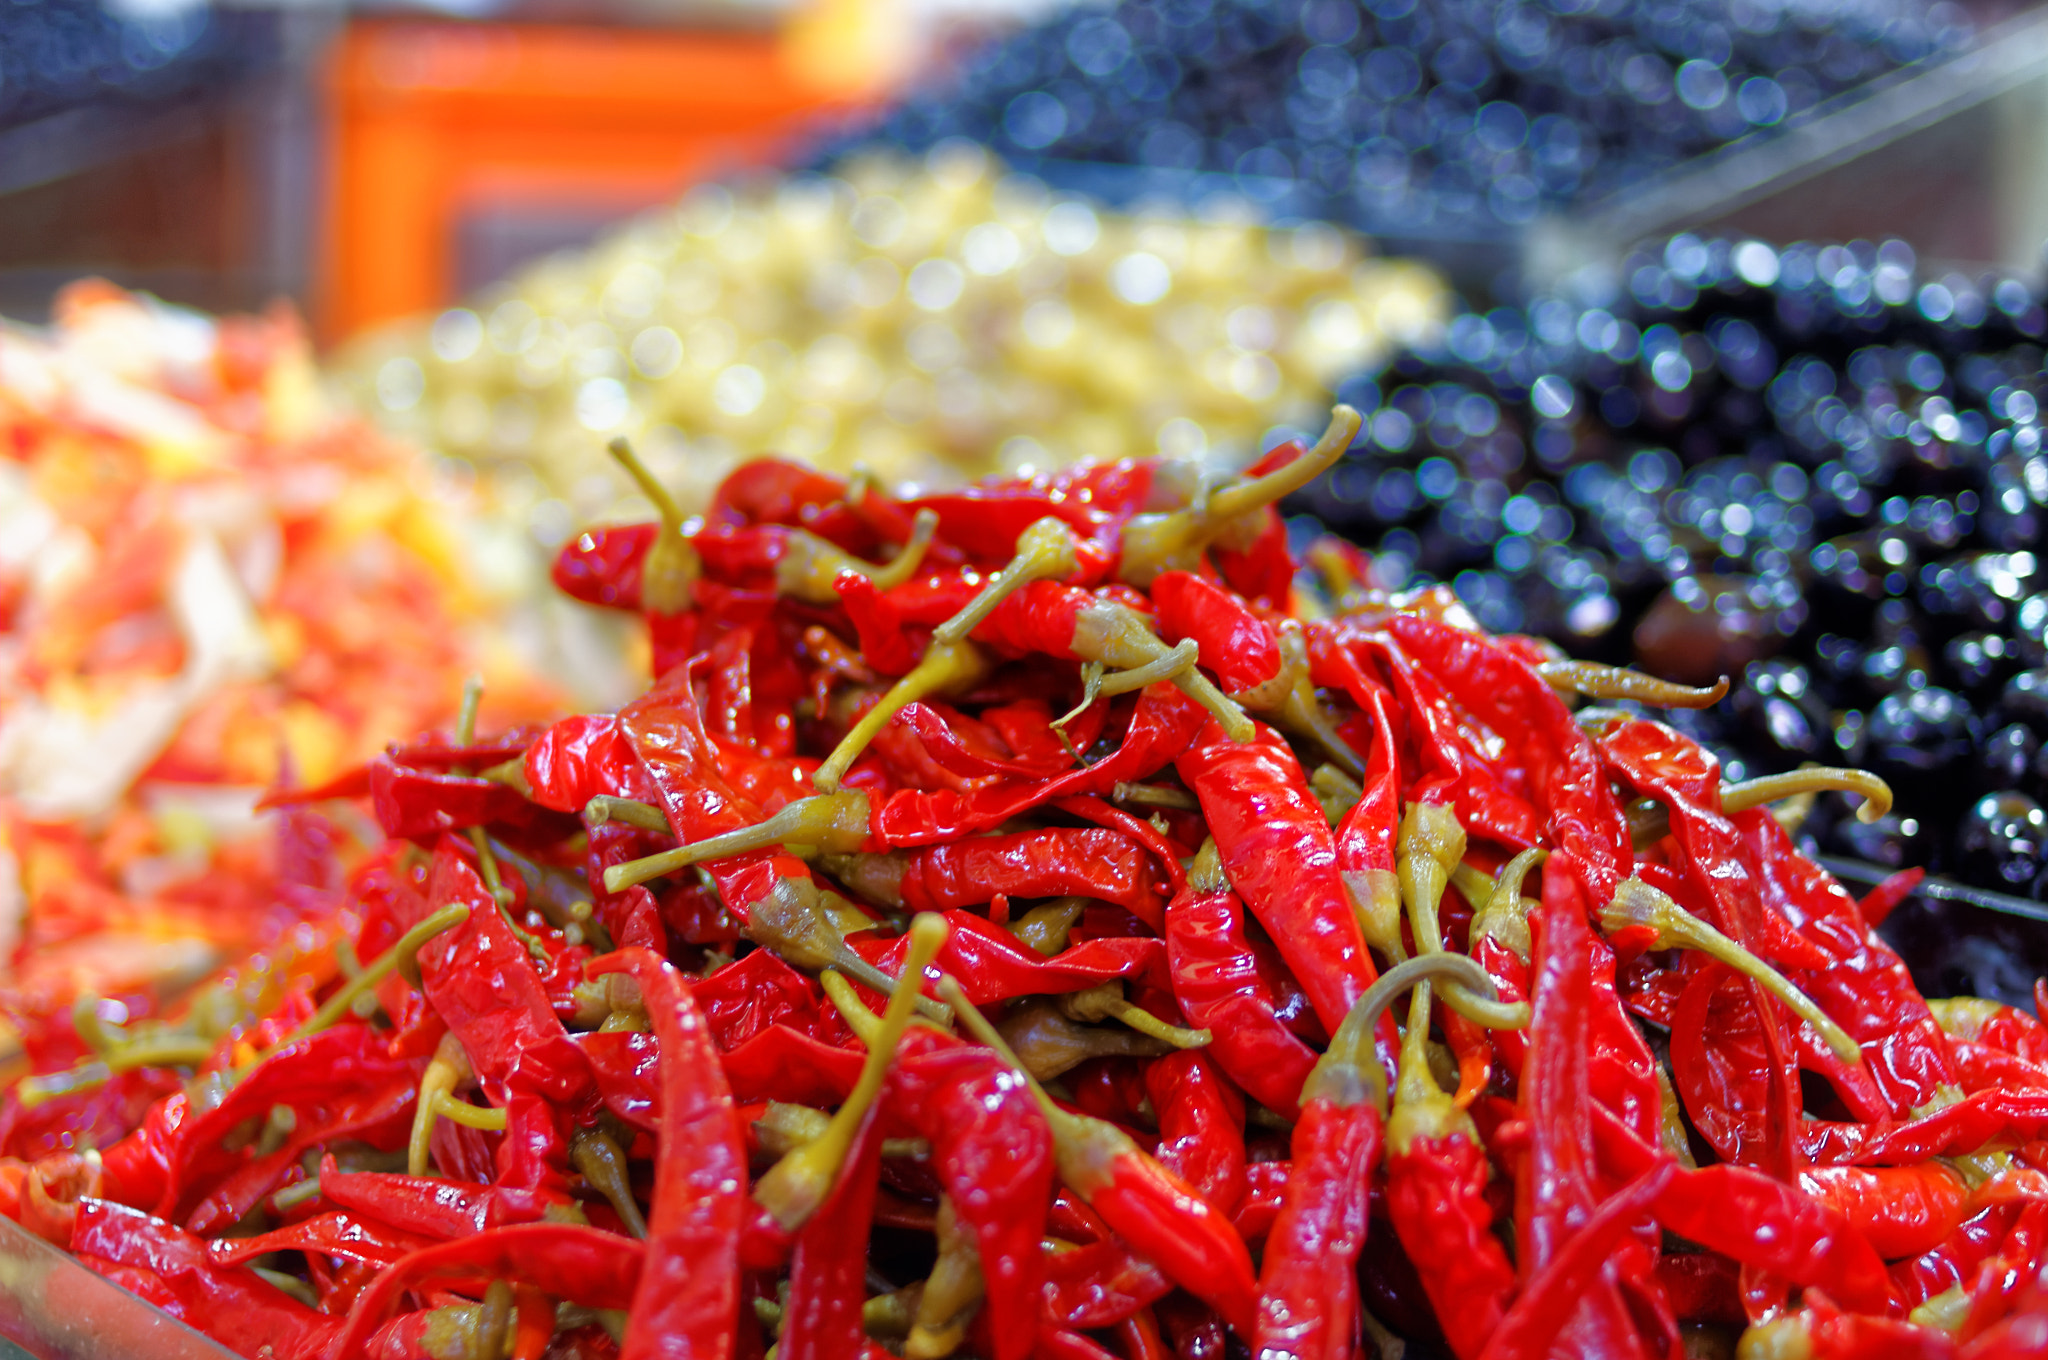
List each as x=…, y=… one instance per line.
x=1046, y=551
x=947, y=668
x=792, y=922
x=1429, y=849
x=1504, y=913
x=829, y=822
x=1597, y=681
x=1349, y=1072
x=1421, y=1109
x=605, y=808
x=1119, y=636
x=1641, y=908
x=1877, y=795
x=1152, y=544
x=794, y=1187
x=449, y=1069
x=668, y=574
x=809, y=564
x=1049, y=1042
x=1106, y=1002
x=400, y=954
x=952, y=1292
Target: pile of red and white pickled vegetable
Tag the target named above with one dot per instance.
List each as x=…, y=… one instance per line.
x=1295, y=966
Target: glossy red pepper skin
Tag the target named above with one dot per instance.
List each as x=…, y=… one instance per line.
x=1216, y=981
x=335, y=1233
x=1755, y=1219
x=1201, y=1126
x=1236, y=646
x=1161, y=725
x=1867, y=989
x=992, y=1151
x=1051, y=862
x=603, y=566
x=1098, y=1284
x=821, y=1319
x=229, y=1303
x=481, y=980
x=1564, y=772
x=1436, y=1199
x=991, y=965
x=585, y=1265
x=579, y=758
x=1277, y=849
x=1165, y=1220
x=666, y=729
x=1552, y=1293
x=339, y=1078
x=1308, y=1298
x=687, y=1303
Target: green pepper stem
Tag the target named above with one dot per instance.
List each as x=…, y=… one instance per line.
x=946, y=668
x=594, y=1153
x=605, y=808
x=836, y=822
x=465, y=718
x=1153, y=795
x=951, y=1293
x=1152, y=544
x=1046, y=551
x=1106, y=1002
x=809, y=564
x=1877, y=795
x=792, y=921
x=794, y=1187
x=403, y=949
x=1429, y=853
x=668, y=574
x=1349, y=1072
x=1176, y=660
x=1504, y=913
x=448, y=1069
x=1637, y=904
x=1596, y=681
x=1119, y=636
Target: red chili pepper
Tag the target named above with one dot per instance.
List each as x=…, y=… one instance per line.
x=1752, y=1218
x=1053, y=862
x=1563, y=770
x=1097, y=1285
x=991, y=965
x=992, y=1151
x=1216, y=981
x=1201, y=1126
x=585, y=1265
x=1308, y=1292
x=1161, y=726
x=1168, y=854
x=1436, y=1197
x=1552, y=1293
x=1277, y=849
x=1148, y=1206
x=602, y=566
x=689, y=1293
x=821, y=1319
x=229, y=1303
x=330, y=1234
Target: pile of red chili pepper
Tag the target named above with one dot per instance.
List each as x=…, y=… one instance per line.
x=1289, y=967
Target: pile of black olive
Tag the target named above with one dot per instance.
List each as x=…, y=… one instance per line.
x=1411, y=118
x=1815, y=470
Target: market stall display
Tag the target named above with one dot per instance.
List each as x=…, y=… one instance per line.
x=932, y=319
x=621, y=1050
x=208, y=581
x=1816, y=470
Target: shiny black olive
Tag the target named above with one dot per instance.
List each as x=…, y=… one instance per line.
x=2004, y=838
